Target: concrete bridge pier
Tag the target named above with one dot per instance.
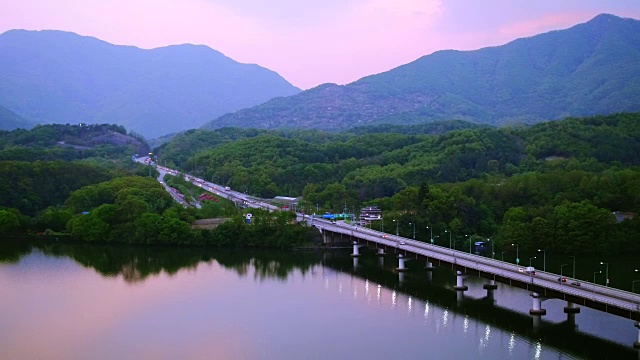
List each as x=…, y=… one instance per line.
x=636, y=344
x=401, y=266
x=459, y=298
x=429, y=277
x=571, y=308
x=401, y=277
x=460, y=286
x=356, y=249
x=537, y=305
x=537, y=322
x=355, y=263
x=381, y=261
x=490, y=287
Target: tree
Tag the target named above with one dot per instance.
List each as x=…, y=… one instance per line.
x=9, y=222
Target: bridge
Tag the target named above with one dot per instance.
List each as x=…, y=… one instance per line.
x=542, y=285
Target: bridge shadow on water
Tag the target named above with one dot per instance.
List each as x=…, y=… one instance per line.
x=439, y=290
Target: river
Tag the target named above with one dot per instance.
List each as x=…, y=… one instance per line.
x=70, y=301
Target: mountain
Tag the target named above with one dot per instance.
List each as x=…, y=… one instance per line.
x=10, y=120
x=55, y=76
x=591, y=68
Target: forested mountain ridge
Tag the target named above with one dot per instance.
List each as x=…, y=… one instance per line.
x=10, y=120
x=554, y=184
x=70, y=142
x=585, y=70
x=61, y=77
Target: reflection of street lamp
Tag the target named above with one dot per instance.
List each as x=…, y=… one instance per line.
x=430, y=233
x=544, y=259
x=594, y=275
x=606, y=274
x=414, y=230
x=517, y=253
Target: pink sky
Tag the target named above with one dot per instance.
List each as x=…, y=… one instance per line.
x=310, y=42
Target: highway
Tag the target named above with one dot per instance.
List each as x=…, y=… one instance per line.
x=589, y=292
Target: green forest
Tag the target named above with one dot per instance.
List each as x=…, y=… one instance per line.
x=553, y=185
x=80, y=182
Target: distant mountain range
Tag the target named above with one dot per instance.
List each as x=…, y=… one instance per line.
x=591, y=68
x=10, y=120
x=61, y=77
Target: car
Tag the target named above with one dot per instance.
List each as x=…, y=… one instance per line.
x=562, y=280
x=402, y=243
x=576, y=283
x=384, y=236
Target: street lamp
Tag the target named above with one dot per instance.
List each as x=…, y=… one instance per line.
x=430, y=233
x=517, y=253
x=493, y=253
x=468, y=238
x=561, y=266
x=397, y=229
x=414, y=230
x=506, y=251
x=633, y=283
x=447, y=231
x=531, y=258
x=594, y=275
x=606, y=274
x=544, y=259
x=381, y=224
x=574, y=266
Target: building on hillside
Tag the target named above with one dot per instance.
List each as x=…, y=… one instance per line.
x=370, y=213
x=622, y=216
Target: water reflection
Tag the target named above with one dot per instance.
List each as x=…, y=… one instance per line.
x=475, y=328
x=136, y=263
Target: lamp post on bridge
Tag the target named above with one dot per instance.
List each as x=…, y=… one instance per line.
x=469, y=238
x=397, y=228
x=493, y=252
x=414, y=230
x=561, y=266
x=594, y=275
x=506, y=251
x=574, y=266
x=447, y=231
x=606, y=275
x=531, y=258
x=633, y=283
x=517, y=253
x=430, y=234
x=544, y=259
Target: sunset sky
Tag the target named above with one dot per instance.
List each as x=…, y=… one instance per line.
x=310, y=42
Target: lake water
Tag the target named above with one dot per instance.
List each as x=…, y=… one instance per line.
x=66, y=301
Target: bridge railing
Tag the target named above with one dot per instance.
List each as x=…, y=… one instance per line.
x=493, y=263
